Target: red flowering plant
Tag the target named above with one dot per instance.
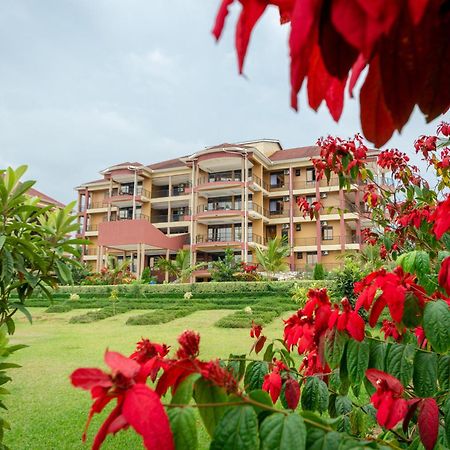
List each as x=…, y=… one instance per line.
x=335, y=379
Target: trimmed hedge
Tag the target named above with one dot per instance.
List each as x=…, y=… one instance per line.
x=199, y=290
x=242, y=319
x=94, y=316
x=160, y=316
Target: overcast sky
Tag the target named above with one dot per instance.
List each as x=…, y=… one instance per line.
x=85, y=84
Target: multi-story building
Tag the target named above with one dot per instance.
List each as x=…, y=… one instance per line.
x=228, y=196
x=44, y=199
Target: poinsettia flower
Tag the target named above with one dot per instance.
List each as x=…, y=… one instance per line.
x=189, y=344
x=137, y=404
x=150, y=355
x=219, y=376
x=421, y=338
x=348, y=320
x=390, y=329
x=387, y=399
x=444, y=275
x=255, y=330
x=441, y=218
x=272, y=381
x=394, y=287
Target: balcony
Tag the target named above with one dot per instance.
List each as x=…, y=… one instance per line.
x=176, y=191
x=277, y=213
x=227, y=237
x=253, y=207
x=255, y=180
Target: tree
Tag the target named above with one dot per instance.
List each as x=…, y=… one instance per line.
x=180, y=267
x=403, y=43
x=225, y=268
x=272, y=258
x=37, y=251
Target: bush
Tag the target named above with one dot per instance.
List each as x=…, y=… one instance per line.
x=344, y=280
x=319, y=272
x=161, y=316
x=242, y=319
x=61, y=308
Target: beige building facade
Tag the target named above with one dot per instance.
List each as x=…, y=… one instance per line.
x=227, y=196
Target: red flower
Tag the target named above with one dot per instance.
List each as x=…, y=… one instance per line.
x=218, y=375
x=137, y=405
x=189, y=344
x=441, y=218
x=421, y=338
x=388, y=398
x=348, y=320
x=444, y=128
x=444, y=275
x=272, y=381
x=394, y=287
x=255, y=331
x=149, y=355
x=390, y=330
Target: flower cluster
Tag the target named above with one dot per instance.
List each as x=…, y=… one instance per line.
x=312, y=208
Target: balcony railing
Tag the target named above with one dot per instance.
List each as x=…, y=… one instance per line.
x=176, y=191
x=279, y=187
x=128, y=191
x=217, y=178
x=259, y=182
x=92, y=227
x=279, y=213
x=335, y=240
x=139, y=216
x=219, y=206
x=260, y=210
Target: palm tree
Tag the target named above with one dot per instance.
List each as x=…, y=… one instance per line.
x=180, y=267
x=271, y=259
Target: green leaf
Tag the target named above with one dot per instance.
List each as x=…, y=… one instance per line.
x=2, y=241
x=262, y=397
x=254, y=375
x=184, y=428
x=10, y=325
x=412, y=311
x=268, y=354
x=446, y=409
x=357, y=360
x=407, y=261
x=236, y=366
x=399, y=362
x=444, y=372
x=315, y=395
x=183, y=394
x=283, y=432
x=377, y=354
x=425, y=373
x=237, y=429
x=436, y=324
x=206, y=392
x=334, y=347
x=321, y=440
x=343, y=405
x=23, y=310
x=64, y=272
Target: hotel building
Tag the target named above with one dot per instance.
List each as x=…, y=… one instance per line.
x=228, y=196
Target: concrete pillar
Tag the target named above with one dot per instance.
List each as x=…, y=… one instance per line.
x=138, y=261
x=291, y=219
x=341, y=220
x=318, y=226
x=167, y=259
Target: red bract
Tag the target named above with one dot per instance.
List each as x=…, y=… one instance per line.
x=255, y=331
x=444, y=275
x=331, y=41
x=394, y=287
x=421, y=338
x=272, y=381
x=444, y=129
x=390, y=330
x=221, y=377
x=428, y=422
x=348, y=320
x=441, y=218
x=388, y=398
x=137, y=405
x=189, y=344
x=292, y=393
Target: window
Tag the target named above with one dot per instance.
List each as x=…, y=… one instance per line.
x=310, y=175
x=327, y=233
x=299, y=255
x=276, y=207
x=298, y=227
x=277, y=179
x=297, y=172
x=311, y=258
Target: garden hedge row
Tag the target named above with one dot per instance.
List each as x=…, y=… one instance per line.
x=199, y=290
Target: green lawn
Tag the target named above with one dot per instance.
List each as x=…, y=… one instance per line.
x=45, y=412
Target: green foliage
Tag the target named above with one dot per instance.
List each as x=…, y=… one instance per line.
x=146, y=276
x=319, y=272
x=36, y=249
x=184, y=428
x=315, y=395
x=283, y=432
x=160, y=316
x=180, y=267
x=272, y=258
x=225, y=268
x=436, y=323
x=254, y=375
x=94, y=316
x=344, y=280
x=241, y=319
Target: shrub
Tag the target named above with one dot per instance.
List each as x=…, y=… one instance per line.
x=146, y=276
x=241, y=319
x=318, y=272
x=344, y=280
x=160, y=316
x=94, y=316
x=61, y=308
x=187, y=295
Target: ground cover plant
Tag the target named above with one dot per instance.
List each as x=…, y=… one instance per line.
x=359, y=384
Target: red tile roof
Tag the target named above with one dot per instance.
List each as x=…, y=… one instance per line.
x=45, y=198
x=169, y=164
x=294, y=153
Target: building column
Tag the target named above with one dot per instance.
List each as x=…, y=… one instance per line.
x=341, y=220
x=291, y=220
x=100, y=258
x=358, y=220
x=318, y=226
x=138, y=261
x=245, y=199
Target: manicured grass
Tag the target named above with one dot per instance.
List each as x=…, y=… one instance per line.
x=45, y=412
